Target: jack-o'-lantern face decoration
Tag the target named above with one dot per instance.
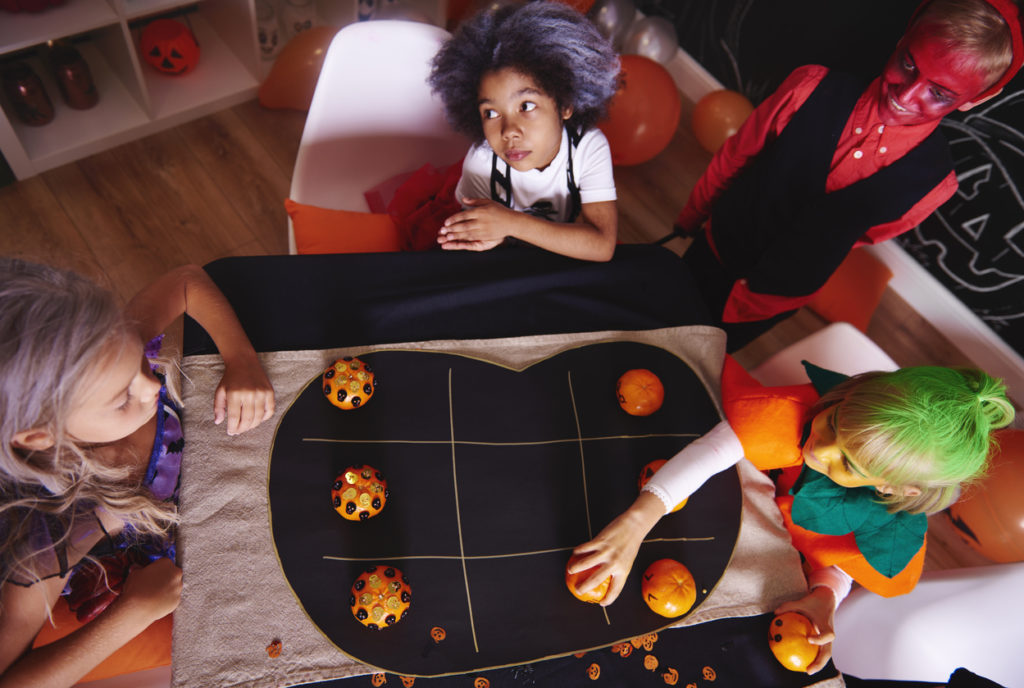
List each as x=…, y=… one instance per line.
x=169, y=46
x=709, y=674
x=648, y=471
x=408, y=681
x=594, y=671
x=650, y=662
x=649, y=640
x=349, y=383
x=668, y=588
x=670, y=677
x=438, y=634
x=359, y=493
x=481, y=682
x=787, y=638
x=380, y=597
x=378, y=679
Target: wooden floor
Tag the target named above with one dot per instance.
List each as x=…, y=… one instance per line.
x=214, y=188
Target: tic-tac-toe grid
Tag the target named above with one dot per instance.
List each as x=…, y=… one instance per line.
x=494, y=476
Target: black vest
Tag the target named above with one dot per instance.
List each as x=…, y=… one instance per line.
x=775, y=225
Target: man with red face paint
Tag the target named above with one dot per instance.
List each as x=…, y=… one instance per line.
x=825, y=164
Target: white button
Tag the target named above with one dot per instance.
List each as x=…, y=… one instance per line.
x=858, y=130
x=883, y=149
x=858, y=154
x=881, y=128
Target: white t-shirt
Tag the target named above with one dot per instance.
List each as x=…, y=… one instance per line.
x=545, y=193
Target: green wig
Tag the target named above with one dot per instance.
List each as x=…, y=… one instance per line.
x=928, y=428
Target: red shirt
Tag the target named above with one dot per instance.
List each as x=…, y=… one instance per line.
x=865, y=146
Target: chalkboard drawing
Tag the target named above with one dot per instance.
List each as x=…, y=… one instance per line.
x=974, y=243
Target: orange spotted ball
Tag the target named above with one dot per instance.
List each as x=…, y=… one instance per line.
x=359, y=493
x=640, y=392
x=648, y=471
x=349, y=383
x=787, y=638
x=571, y=579
x=380, y=597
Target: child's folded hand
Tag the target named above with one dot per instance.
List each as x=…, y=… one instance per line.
x=244, y=396
x=480, y=227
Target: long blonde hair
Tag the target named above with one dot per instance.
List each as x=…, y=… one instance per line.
x=55, y=327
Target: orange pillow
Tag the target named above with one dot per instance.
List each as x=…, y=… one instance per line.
x=148, y=650
x=854, y=290
x=322, y=230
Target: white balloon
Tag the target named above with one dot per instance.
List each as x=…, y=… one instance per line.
x=613, y=18
x=652, y=37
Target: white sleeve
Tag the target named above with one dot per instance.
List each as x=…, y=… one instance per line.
x=690, y=468
x=592, y=168
x=476, y=174
x=833, y=578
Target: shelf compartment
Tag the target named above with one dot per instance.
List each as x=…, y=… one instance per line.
x=25, y=29
x=75, y=133
x=218, y=77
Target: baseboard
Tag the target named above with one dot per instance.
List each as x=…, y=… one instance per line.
x=915, y=285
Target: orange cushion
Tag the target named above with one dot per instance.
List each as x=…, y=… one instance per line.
x=322, y=230
x=854, y=291
x=148, y=650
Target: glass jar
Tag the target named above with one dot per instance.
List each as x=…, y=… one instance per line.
x=297, y=16
x=268, y=29
x=25, y=92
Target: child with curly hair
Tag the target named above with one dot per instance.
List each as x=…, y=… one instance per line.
x=863, y=461
x=90, y=452
x=527, y=84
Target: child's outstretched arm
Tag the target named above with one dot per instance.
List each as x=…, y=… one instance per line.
x=615, y=547
x=244, y=396
x=483, y=224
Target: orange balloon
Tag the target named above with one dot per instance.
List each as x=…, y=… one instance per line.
x=719, y=115
x=990, y=515
x=292, y=79
x=643, y=114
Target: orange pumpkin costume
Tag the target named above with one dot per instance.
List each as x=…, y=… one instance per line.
x=769, y=422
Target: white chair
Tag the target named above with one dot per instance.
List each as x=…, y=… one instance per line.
x=968, y=617
x=839, y=346
x=372, y=117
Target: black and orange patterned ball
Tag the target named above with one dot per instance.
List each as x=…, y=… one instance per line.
x=359, y=493
x=349, y=383
x=380, y=597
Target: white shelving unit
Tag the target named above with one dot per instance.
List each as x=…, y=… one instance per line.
x=134, y=99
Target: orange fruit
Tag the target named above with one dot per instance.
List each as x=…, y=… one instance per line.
x=788, y=641
x=668, y=588
x=648, y=471
x=639, y=392
x=571, y=579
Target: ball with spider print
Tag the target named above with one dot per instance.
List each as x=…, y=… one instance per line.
x=359, y=493
x=380, y=597
x=349, y=383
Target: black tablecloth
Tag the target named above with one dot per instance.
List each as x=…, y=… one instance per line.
x=326, y=301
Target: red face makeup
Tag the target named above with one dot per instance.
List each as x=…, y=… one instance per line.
x=923, y=81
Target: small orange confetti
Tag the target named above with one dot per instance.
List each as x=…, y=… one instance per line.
x=274, y=649
x=626, y=650
x=594, y=671
x=650, y=662
x=481, y=682
x=438, y=634
x=378, y=679
x=671, y=676
x=709, y=673
x=649, y=640
x=407, y=681
x=637, y=642
x=578, y=655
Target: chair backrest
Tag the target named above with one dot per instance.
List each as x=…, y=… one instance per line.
x=373, y=115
